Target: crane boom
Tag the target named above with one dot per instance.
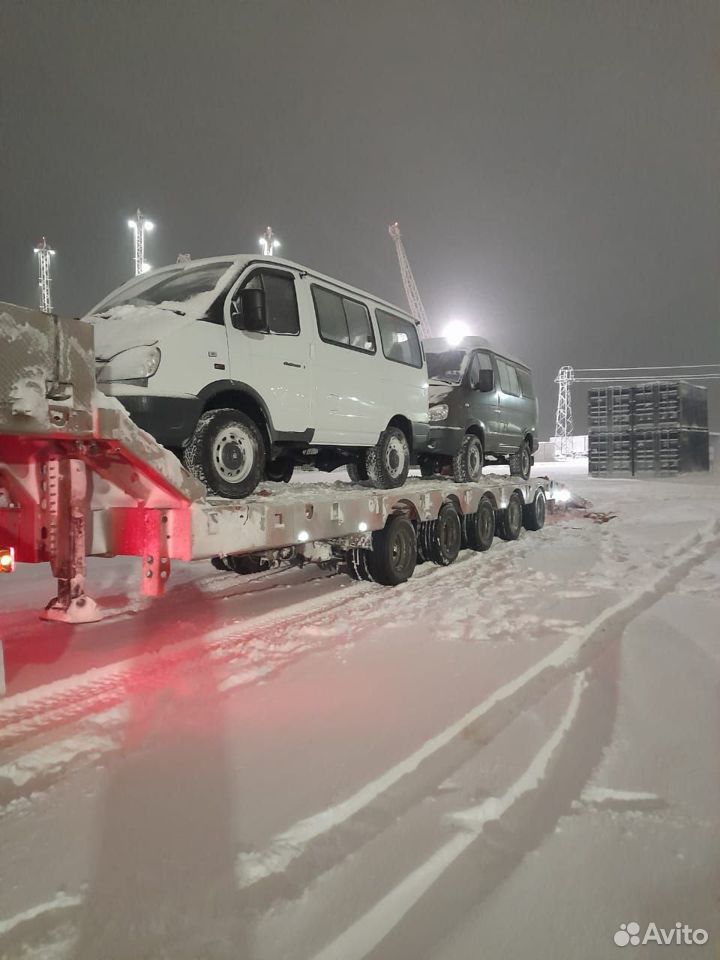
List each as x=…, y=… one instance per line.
x=411, y=291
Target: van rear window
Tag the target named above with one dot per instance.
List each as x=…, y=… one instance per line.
x=525, y=382
x=399, y=339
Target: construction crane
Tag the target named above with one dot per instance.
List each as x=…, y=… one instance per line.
x=44, y=253
x=411, y=291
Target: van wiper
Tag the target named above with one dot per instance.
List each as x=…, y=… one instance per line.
x=180, y=313
x=453, y=383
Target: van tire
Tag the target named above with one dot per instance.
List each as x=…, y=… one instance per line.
x=233, y=433
x=388, y=462
x=521, y=462
x=279, y=470
x=356, y=471
x=467, y=463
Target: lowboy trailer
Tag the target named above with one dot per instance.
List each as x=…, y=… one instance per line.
x=79, y=479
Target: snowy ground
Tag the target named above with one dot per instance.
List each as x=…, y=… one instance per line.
x=506, y=758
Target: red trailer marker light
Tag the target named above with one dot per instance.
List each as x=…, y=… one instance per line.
x=7, y=559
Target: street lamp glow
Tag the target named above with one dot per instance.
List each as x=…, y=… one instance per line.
x=146, y=267
x=268, y=242
x=140, y=226
x=455, y=331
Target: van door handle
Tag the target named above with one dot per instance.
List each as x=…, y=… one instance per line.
x=286, y=363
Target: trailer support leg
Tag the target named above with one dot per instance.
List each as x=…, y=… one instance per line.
x=66, y=498
x=156, y=562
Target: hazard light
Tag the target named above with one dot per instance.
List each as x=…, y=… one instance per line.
x=7, y=559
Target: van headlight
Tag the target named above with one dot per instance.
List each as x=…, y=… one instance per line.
x=137, y=363
x=439, y=412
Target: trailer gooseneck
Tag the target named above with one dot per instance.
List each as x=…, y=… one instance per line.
x=78, y=479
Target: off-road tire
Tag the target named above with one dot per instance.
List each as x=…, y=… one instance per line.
x=480, y=526
x=534, y=513
x=394, y=554
x=279, y=470
x=202, y=457
x=357, y=471
x=388, y=462
x=510, y=520
x=521, y=462
x=467, y=463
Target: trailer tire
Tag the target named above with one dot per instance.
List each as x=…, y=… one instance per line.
x=443, y=537
x=356, y=562
x=510, y=520
x=480, y=526
x=467, y=463
x=227, y=453
x=394, y=554
x=388, y=462
x=220, y=564
x=521, y=462
x=534, y=513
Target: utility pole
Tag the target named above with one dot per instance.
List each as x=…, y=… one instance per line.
x=44, y=253
x=139, y=224
x=269, y=243
x=564, y=416
x=411, y=291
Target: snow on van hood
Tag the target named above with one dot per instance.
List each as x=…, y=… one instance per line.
x=128, y=325
x=439, y=391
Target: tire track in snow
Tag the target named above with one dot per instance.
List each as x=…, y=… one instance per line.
x=312, y=844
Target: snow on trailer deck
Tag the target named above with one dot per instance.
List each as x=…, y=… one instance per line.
x=507, y=757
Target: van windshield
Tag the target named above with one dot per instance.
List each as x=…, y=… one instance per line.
x=177, y=287
x=446, y=366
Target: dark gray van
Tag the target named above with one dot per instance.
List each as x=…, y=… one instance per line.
x=482, y=409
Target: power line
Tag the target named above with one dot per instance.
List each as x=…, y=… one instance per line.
x=684, y=366
x=694, y=376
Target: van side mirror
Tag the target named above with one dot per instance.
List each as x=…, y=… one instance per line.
x=248, y=310
x=484, y=381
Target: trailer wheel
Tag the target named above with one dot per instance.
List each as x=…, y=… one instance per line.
x=467, y=463
x=534, y=513
x=388, y=462
x=480, y=526
x=245, y=564
x=521, y=462
x=357, y=471
x=227, y=453
x=394, y=554
x=509, y=521
x=356, y=561
x=443, y=537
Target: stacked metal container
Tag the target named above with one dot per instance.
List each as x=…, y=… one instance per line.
x=650, y=429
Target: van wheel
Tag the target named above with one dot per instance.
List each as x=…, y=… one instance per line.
x=279, y=470
x=388, y=462
x=356, y=470
x=227, y=453
x=521, y=462
x=509, y=520
x=467, y=463
x=394, y=554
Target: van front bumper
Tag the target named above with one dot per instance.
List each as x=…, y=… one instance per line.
x=444, y=441
x=171, y=420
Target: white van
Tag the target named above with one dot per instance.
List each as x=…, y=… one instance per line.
x=248, y=365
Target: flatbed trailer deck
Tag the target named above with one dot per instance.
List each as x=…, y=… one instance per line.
x=78, y=479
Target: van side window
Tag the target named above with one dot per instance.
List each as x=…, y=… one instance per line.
x=281, y=303
x=508, y=379
x=525, y=381
x=480, y=361
x=399, y=339
x=343, y=321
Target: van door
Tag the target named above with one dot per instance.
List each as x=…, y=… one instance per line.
x=511, y=405
x=347, y=399
x=485, y=405
x=275, y=364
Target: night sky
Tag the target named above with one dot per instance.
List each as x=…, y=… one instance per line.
x=555, y=166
